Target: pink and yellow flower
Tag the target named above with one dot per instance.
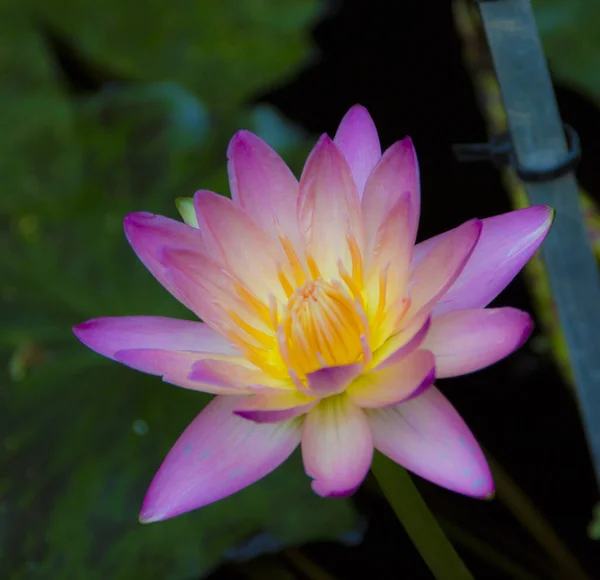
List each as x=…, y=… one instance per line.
x=324, y=324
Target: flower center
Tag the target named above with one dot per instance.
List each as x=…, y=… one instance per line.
x=322, y=322
x=321, y=326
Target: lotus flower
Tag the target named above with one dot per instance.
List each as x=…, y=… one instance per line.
x=324, y=324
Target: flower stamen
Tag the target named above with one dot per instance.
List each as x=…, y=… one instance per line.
x=357, y=265
x=292, y=256
x=322, y=324
x=285, y=283
x=257, y=305
x=313, y=268
x=262, y=337
x=381, y=304
x=351, y=283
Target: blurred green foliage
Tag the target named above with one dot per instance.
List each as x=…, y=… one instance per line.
x=569, y=31
x=82, y=436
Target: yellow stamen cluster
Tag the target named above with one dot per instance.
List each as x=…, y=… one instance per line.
x=322, y=323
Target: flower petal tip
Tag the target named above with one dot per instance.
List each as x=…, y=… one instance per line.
x=146, y=519
x=407, y=143
x=324, y=142
x=358, y=109
x=542, y=214
x=136, y=219
x=79, y=329
x=84, y=331
x=149, y=514
x=528, y=326
x=241, y=141
x=325, y=491
x=357, y=114
x=482, y=487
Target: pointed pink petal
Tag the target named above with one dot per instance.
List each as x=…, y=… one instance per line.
x=506, y=243
x=464, y=341
x=247, y=250
x=232, y=373
x=400, y=345
x=263, y=184
x=332, y=380
x=217, y=455
x=427, y=436
x=337, y=447
x=175, y=366
x=395, y=383
x=110, y=334
x=209, y=289
x=211, y=312
x=442, y=265
x=273, y=406
x=147, y=233
x=396, y=173
x=358, y=141
x=161, y=362
x=391, y=253
x=329, y=208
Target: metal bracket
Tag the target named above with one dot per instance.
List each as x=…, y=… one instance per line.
x=499, y=150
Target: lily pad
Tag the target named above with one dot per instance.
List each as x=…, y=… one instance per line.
x=224, y=51
x=569, y=32
x=83, y=441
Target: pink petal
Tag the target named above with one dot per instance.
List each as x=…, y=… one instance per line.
x=329, y=208
x=358, y=141
x=231, y=373
x=147, y=233
x=211, y=312
x=209, y=289
x=441, y=266
x=396, y=173
x=273, y=407
x=395, y=383
x=217, y=455
x=464, y=341
x=506, y=243
x=391, y=253
x=175, y=366
x=248, y=251
x=400, y=345
x=332, y=380
x=427, y=436
x=337, y=446
x=263, y=185
x=159, y=362
x=109, y=335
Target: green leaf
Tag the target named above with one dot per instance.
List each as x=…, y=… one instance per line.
x=225, y=51
x=83, y=442
x=37, y=156
x=569, y=32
